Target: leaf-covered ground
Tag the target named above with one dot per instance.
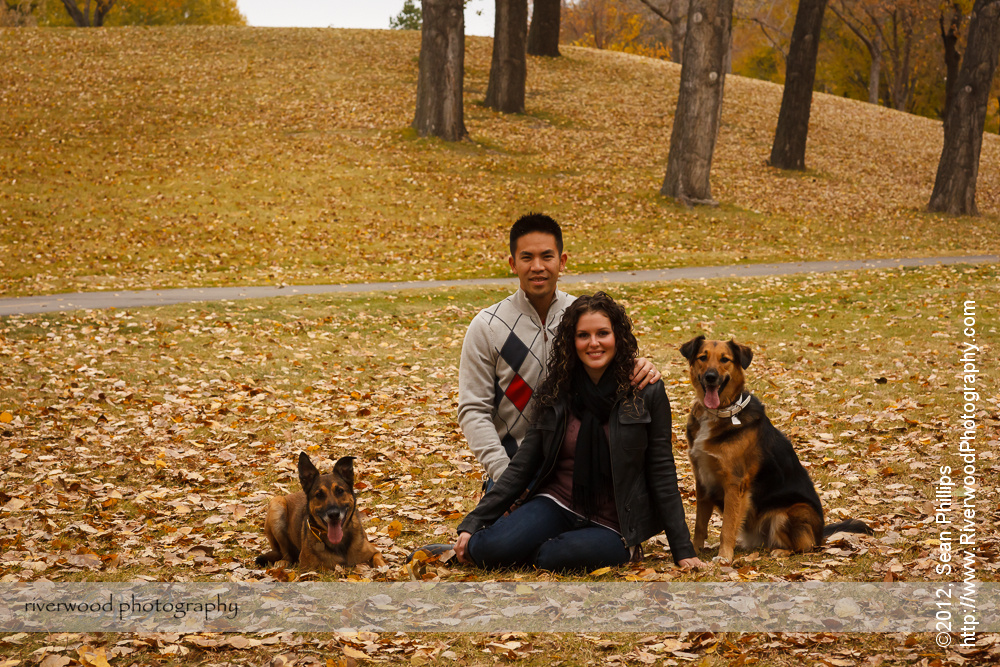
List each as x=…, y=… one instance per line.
x=138, y=157
x=144, y=444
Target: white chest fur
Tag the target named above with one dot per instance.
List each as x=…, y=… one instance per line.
x=700, y=457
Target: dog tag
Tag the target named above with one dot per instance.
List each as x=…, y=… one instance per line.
x=736, y=422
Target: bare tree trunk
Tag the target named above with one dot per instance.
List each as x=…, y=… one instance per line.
x=955, y=184
x=79, y=18
x=543, y=35
x=101, y=10
x=952, y=58
x=873, y=43
x=675, y=15
x=509, y=68
x=699, y=103
x=678, y=31
x=789, y=148
x=874, y=68
x=442, y=70
x=82, y=18
x=901, y=84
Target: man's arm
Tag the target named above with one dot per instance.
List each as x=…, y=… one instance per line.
x=476, y=379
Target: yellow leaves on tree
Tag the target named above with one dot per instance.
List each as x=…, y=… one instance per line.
x=179, y=12
x=606, y=24
x=154, y=12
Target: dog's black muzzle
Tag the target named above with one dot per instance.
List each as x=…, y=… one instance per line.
x=711, y=379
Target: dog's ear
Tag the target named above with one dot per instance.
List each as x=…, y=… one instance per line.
x=742, y=353
x=690, y=349
x=344, y=467
x=308, y=474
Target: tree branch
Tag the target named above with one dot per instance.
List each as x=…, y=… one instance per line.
x=74, y=12
x=766, y=28
x=657, y=11
x=101, y=10
x=854, y=26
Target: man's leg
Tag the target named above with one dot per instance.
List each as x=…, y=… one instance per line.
x=513, y=540
x=583, y=549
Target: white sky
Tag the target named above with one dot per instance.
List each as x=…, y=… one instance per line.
x=350, y=14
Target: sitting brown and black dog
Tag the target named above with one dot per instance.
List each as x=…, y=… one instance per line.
x=743, y=464
x=319, y=527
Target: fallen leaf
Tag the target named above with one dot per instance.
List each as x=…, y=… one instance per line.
x=355, y=653
x=93, y=657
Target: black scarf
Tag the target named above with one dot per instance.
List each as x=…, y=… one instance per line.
x=591, y=404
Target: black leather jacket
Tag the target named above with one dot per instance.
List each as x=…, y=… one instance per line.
x=642, y=469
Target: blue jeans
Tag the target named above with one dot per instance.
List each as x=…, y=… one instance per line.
x=542, y=533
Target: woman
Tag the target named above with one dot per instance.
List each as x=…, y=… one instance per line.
x=601, y=453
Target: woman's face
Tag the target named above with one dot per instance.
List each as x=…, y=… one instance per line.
x=595, y=343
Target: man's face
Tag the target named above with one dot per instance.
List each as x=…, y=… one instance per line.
x=538, y=263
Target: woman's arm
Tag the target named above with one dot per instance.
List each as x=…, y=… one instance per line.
x=661, y=474
x=522, y=469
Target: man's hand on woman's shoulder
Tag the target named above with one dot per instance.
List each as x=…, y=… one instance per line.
x=645, y=373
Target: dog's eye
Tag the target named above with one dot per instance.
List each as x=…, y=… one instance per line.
x=320, y=495
x=725, y=360
x=703, y=357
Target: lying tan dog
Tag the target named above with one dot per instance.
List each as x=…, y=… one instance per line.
x=319, y=526
x=745, y=466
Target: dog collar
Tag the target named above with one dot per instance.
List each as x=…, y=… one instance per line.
x=732, y=410
x=315, y=530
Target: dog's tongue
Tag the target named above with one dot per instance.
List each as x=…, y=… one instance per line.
x=712, y=398
x=334, y=532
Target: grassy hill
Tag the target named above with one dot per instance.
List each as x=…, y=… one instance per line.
x=136, y=157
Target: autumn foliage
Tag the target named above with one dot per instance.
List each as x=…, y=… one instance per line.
x=613, y=25
x=891, y=52
x=152, y=12
x=888, y=52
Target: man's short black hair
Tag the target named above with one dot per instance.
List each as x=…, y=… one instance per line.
x=535, y=222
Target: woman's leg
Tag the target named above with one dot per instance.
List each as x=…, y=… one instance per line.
x=585, y=548
x=513, y=539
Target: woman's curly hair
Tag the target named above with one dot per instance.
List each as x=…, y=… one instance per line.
x=564, y=360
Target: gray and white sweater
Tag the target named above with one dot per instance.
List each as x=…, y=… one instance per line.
x=504, y=358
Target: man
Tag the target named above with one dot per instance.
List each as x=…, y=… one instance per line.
x=507, y=347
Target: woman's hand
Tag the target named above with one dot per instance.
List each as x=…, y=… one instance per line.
x=462, y=549
x=644, y=373
x=692, y=563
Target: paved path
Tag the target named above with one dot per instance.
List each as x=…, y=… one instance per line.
x=135, y=299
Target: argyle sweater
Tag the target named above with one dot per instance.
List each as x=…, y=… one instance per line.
x=504, y=358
